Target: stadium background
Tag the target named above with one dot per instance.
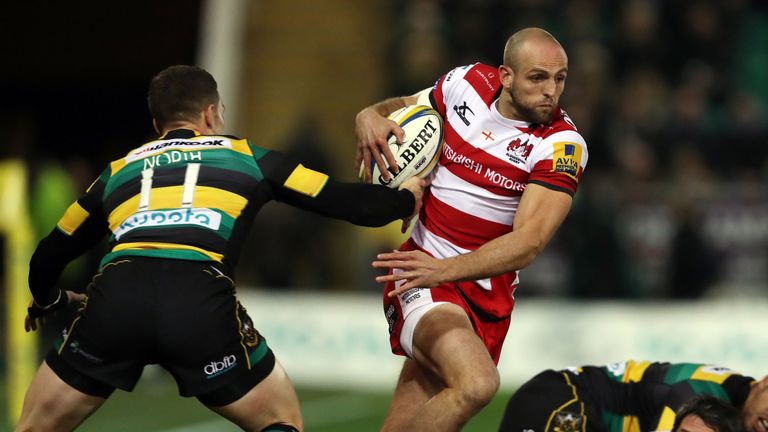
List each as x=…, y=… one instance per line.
x=665, y=253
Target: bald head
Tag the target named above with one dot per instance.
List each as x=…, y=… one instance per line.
x=521, y=44
x=532, y=76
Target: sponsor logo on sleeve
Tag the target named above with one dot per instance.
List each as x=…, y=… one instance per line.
x=566, y=158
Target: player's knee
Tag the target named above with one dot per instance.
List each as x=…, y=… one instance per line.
x=279, y=427
x=478, y=392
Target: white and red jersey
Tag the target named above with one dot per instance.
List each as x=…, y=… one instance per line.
x=487, y=162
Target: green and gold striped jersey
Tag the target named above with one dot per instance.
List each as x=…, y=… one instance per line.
x=643, y=396
x=194, y=197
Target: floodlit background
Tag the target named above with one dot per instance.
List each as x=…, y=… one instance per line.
x=664, y=255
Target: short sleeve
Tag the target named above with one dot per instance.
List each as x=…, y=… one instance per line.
x=90, y=206
x=285, y=173
x=444, y=86
x=559, y=161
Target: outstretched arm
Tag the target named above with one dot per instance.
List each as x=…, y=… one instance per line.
x=358, y=203
x=540, y=213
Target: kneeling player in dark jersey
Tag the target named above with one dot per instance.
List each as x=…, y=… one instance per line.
x=630, y=397
x=176, y=211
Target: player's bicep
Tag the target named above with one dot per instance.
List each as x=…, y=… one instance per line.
x=541, y=211
x=289, y=179
x=291, y=182
x=74, y=217
x=305, y=181
x=84, y=221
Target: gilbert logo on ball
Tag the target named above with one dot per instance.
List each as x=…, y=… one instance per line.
x=418, y=155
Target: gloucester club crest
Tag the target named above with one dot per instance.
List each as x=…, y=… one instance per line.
x=518, y=150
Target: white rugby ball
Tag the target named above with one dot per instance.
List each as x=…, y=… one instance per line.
x=421, y=149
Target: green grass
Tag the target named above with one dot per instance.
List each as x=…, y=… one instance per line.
x=155, y=406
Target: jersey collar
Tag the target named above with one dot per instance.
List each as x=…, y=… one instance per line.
x=180, y=133
x=496, y=115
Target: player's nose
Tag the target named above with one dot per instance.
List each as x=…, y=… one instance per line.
x=549, y=88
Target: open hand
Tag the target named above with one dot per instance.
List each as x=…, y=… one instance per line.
x=418, y=269
x=372, y=131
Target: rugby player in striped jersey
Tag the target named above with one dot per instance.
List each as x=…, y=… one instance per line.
x=175, y=211
x=512, y=160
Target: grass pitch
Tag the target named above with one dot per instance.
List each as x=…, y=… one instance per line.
x=155, y=406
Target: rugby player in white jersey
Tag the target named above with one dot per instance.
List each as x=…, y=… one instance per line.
x=511, y=163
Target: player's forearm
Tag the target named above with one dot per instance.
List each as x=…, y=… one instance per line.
x=47, y=263
x=507, y=253
x=367, y=205
x=357, y=203
x=386, y=107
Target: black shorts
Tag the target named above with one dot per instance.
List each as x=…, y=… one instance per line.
x=549, y=402
x=182, y=315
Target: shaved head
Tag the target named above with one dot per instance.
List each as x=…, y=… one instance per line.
x=532, y=76
x=529, y=38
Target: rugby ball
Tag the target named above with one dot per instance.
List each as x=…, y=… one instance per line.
x=423, y=143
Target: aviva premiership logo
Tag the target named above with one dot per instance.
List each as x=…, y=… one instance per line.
x=202, y=217
x=566, y=158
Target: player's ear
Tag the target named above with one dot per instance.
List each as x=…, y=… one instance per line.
x=506, y=75
x=157, y=128
x=209, y=115
x=761, y=385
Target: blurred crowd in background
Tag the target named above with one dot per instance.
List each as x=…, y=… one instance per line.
x=671, y=96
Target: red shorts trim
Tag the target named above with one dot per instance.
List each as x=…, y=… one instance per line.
x=491, y=330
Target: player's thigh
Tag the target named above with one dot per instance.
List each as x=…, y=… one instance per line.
x=52, y=404
x=273, y=400
x=445, y=342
